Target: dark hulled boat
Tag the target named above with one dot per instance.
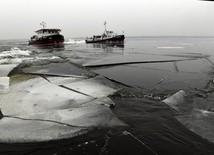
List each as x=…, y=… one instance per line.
x=106, y=37
x=47, y=37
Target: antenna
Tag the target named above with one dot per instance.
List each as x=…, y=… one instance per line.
x=43, y=24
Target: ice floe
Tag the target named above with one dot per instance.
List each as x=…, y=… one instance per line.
x=91, y=87
x=132, y=59
x=43, y=109
x=106, y=101
x=38, y=95
x=62, y=80
x=176, y=99
x=57, y=124
x=59, y=69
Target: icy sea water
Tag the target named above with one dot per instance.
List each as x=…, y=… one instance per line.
x=145, y=71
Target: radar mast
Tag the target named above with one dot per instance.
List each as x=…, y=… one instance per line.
x=43, y=24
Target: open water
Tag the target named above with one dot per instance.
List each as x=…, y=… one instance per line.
x=145, y=71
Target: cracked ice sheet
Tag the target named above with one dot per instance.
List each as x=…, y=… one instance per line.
x=62, y=80
x=201, y=66
x=129, y=59
x=189, y=75
x=141, y=75
x=37, y=95
x=67, y=123
x=59, y=69
x=161, y=76
x=95, y=87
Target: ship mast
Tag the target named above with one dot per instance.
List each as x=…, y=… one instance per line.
x=105, y=25
x=43, y=24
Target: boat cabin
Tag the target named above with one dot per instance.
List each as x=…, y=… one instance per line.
x=108, y=34
x=47, y=32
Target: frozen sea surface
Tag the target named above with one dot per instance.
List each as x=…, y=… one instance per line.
x=150, y=95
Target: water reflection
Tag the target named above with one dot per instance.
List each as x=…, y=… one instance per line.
x=109, y=47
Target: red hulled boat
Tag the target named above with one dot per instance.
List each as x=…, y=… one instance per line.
x=47, y=37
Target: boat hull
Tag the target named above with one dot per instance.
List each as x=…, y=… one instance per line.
x=48, y=40
x=118, y=38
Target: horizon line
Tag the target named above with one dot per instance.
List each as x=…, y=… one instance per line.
x=143, y=36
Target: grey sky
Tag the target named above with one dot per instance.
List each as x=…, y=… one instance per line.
x=82, y=18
